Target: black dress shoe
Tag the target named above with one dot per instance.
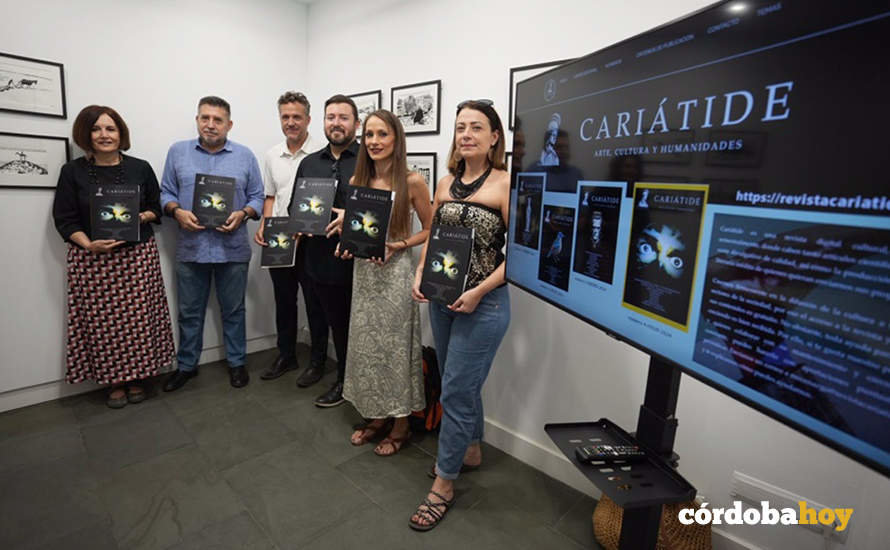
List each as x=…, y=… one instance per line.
x=279, y=367
x=178, y=379
x=311, y=375
x=332, y=397
x=238, y=376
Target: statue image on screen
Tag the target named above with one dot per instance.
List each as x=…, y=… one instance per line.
x=549, y=156
x=554, y=159
x=528, y=214
x=599, y=209
x=596, y=229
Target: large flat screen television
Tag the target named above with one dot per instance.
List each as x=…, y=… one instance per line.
x=716, y=192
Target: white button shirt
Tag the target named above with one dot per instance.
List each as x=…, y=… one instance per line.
x=280, y=169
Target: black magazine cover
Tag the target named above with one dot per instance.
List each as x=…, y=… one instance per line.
x=447, y=263
x=556, y=246
x=663, y=251
x=282, y=250
x=213, y=199
x=312, y=201
x=366, y=222
x=597, y=232
x=528, y=210
x=114, y=212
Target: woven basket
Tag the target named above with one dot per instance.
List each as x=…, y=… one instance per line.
x=672, y=535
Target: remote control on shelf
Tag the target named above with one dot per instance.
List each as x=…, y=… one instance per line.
x=609, y=453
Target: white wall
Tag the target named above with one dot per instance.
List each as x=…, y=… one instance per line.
x=151, y=61
x=552, y=367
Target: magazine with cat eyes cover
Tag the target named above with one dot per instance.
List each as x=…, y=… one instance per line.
x=114, y=212
x=663, y=251
x=213, y=199
x=366, y=221
x=278, y=232
x=447, y=263
x=312, y=201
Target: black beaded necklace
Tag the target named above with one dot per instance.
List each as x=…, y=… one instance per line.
x=460, y=190
x=118, y=177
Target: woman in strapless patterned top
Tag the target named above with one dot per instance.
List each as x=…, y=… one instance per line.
x=468, y=332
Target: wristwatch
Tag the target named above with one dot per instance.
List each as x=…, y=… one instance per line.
x=246, y=213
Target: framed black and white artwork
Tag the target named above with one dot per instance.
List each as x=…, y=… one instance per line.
x=366, y=103
x=518, y=74
x=424, y=164
x=31, y=162
x=417, y=106
x=32, y=86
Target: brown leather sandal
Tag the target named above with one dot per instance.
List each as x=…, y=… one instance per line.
x=369, y=431
x=394, y=442
x=433, y=512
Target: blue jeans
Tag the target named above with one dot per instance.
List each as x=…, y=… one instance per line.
x=465, y=348
x=193, y=286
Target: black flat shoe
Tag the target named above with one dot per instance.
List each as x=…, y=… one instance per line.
x=178, y=379
x=311, y=375
x=332, y=397
x=278, y=368
x=238, y=376
x=116, y=402
x=135, y=393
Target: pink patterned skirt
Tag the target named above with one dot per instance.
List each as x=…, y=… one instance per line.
x=119, y=326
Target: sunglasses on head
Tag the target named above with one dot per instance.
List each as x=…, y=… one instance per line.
x=466, y=102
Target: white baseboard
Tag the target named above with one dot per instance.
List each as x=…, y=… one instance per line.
x=546, y=459
x=23, y=397
x=218, y=353
x=551, y=461
x=721, y=540
x=16, y=399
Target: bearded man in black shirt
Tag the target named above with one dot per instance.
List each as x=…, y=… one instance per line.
x=329, y=276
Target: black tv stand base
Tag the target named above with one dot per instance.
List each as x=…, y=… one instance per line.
x=640, y=488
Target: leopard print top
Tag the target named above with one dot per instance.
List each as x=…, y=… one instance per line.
x=490, y=234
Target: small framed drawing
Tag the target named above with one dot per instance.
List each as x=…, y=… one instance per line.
x=366, y=103
x=31, y=162
x=417, y=106
x=518, y=74
x=425, y=164
x=32, y=86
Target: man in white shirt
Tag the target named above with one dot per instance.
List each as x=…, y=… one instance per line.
x=279, y=169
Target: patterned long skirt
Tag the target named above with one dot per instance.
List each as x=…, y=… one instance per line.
x=384, y=369
x=119, y=326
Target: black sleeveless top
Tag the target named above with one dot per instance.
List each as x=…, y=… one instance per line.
x=491, y=235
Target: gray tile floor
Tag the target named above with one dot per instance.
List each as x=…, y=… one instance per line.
x=210, y=466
